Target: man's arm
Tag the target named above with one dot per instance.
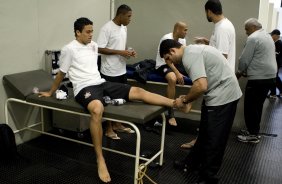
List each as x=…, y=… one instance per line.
x=246, y=57
x=201, y=40
x=198, y=88
x=124, y=53
x=102, y=41
x=59, y=77
x=278, y=49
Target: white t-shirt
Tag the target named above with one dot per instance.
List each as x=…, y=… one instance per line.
x=206, y=61
x=223, y=38
x=80, y=62
x=112, y=36
x=160, y=61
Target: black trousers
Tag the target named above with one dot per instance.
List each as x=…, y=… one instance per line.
x=255, y=95
x=278, y=84
x=207, y=153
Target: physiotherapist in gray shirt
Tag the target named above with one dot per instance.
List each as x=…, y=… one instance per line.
x=216, y=82
x=257, y=63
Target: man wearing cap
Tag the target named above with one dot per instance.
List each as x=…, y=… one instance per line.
x=275, y=34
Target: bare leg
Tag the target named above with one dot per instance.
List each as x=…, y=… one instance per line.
x=140, y=94
x=113, y=127
x=96, y=109
x=118, y=127
x=109, y=128
x=110, y=131
x=170, y=92
x=171, y=79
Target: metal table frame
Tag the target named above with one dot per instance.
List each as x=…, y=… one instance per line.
x=138, y=136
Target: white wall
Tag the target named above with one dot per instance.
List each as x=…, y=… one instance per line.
x=151, y=20
x=29, y=27
x=270, y=14
x=263, y=13
x=56, y=29
x=279, y=21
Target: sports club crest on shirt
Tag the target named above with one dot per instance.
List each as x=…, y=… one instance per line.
x=87, y=95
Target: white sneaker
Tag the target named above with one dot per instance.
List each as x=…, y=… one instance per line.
x=247, y=133
x=248, y=138
x=272, y=96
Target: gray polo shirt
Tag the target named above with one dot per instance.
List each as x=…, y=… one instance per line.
x=206, y=61
x=258, y=57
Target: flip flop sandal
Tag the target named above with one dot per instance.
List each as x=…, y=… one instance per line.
x=112, y=136
x=187, y=145
x=125, y=130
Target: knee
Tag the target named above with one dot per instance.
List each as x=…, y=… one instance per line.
x=137, y=91
x=96, y=109
x=171, y=79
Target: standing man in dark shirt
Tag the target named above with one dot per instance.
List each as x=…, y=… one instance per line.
x=275, y=34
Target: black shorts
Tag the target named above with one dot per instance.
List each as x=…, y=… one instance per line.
x=120, y=79
x=165, y=69
x=97, y=92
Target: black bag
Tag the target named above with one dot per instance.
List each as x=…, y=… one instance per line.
x=8, y=147
x=143, y=69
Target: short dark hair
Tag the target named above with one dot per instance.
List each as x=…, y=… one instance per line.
x=166, y=45
x=80, y=23
x=214, y=6
x=275, y=32
x=123, y=9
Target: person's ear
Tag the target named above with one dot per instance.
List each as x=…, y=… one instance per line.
x=172, y=51
x=77, y=32
x=208, y=12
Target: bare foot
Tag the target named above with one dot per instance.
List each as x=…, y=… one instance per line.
x=103, y=171
x=172, y=122
x=186, y=108
x=189, y=145
x=117, y=125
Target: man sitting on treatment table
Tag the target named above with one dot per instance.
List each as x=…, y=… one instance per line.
x=172, y=73
x=79, y=60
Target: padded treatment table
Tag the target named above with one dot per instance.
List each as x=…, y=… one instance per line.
x=23, y=83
